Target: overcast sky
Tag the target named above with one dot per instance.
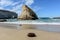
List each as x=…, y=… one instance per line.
x=43, y=8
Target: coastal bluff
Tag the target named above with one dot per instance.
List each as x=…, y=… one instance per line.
x=27, y=14
x=4, y=14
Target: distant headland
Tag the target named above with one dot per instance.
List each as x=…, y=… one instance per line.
x=4, y=14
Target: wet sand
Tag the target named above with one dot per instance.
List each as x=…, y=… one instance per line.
x=21, y=34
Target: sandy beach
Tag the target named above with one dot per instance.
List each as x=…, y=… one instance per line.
x=7, y=33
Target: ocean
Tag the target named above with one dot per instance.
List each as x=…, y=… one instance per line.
x=50, y=28
x=38, y=20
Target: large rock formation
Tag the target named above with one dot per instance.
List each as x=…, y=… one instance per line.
x=27, y=14
x=4, y=14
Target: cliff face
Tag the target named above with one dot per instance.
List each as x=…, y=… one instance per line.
x=4, y=14
x=27, y=14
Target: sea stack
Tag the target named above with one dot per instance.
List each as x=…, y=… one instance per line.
x=27, y=14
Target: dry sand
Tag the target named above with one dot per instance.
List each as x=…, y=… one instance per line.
x=13, y=34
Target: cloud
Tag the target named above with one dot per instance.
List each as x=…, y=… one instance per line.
x=17, y=8
x=14, y=5
x=5, y=2
x=29, y=2
x=36, y=8
x=1, y=8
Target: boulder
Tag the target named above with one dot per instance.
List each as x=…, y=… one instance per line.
x=27, y=14
x=31, y=35
x=4, y=14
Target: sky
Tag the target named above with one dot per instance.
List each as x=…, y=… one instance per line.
x=43, y=8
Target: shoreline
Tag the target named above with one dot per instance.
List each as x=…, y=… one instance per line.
x=21, y=34
x=13, y=34
x=43, y=27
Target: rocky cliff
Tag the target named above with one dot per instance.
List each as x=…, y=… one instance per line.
x=4, y=14
x=27, y=14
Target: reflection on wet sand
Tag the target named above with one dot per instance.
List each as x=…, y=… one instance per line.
x=14, y=34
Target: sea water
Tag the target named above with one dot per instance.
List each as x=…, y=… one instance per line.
x=38, y=20
x=39, y=27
